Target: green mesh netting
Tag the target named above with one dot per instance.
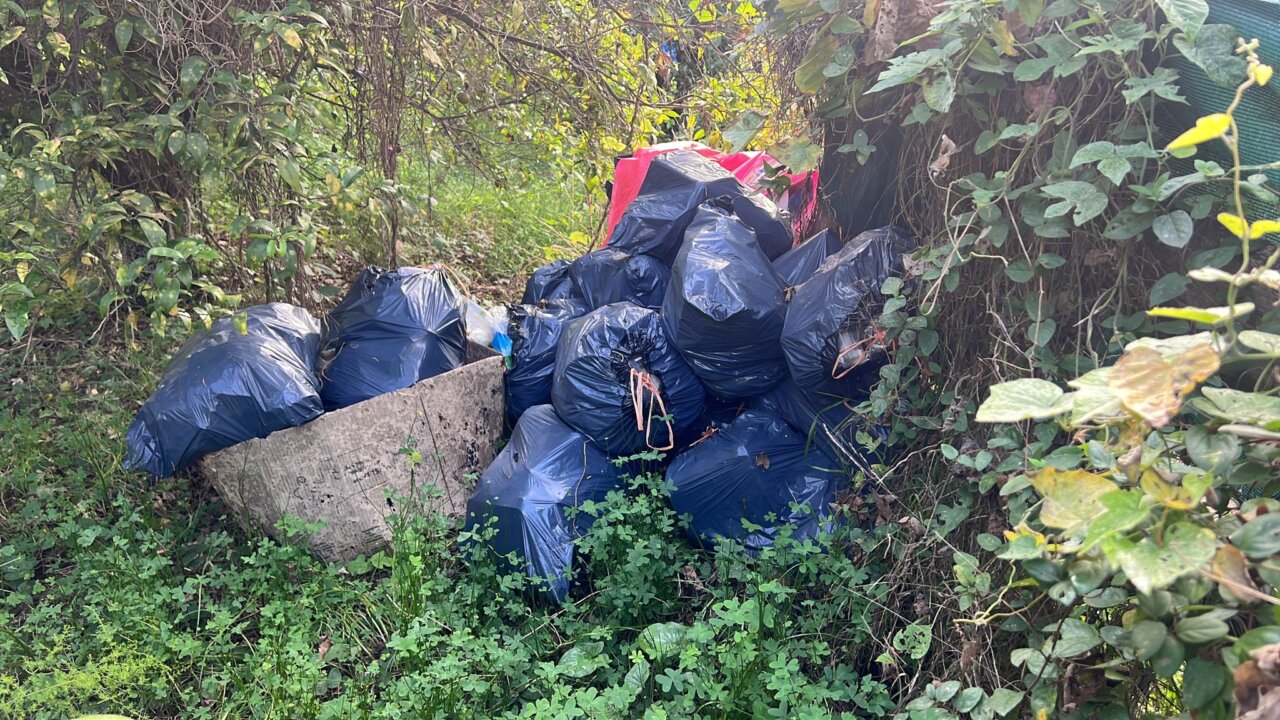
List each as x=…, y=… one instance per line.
x=1258, y=115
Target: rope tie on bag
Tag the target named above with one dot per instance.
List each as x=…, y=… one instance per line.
x=641, y=381
x=877, y=336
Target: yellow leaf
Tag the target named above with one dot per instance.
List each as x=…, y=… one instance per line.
x=290, y=37
x=22, y=268
x=1234, y=223
x=69, y=277
x=1153, y=388
x=1264, y=227
x=332, y=183
x=1005, y=38
x=1175, y=497
x=870, y=13
x=1207, y=128
x=1262, y=74
x=1070, y=497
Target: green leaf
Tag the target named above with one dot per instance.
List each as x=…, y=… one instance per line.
x=152, y=231
x=1261, y=341
x=1241, y=407
x=940, y=92
x=914, y=640
x=1186, y=15
x=844, y=25
x=11, y=34
x=1200, y=630
x=1019, y=271
x=637, y=676
x=1024, y=399
x=1032, y=69
x=1147, y=638
x=16, y=320
x=177, y=140
x=943, y=692
x=662, y=640
x=1123, y=511
x=1086, y=198
x=193, y=70
x=842, y=61
x=1040, y=333
x=739, y=134
x=1072, y=498
x=800, y=154
x=43, y=183
x=124, y=33
x=1114, y=169
x=1204, y=316
x=1167, y=288
x=1202, y=683
x=1093, y=152
x=1150, y=566
x=1214, y=51
x=1075, y=638
x=809, y=75
x=1174, y=229
x=968, y=699
x=1003, y=701
x=1259, y=538
x=581, y=660
x=197, y=147
x=289, y=173
x=905, y=69
x=1212, y=451
x=1163, y=83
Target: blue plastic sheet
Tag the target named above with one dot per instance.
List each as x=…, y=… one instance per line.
x=802, y=261
x=549, y=282
x=223, y=388
x=725, y=307
x=535, y=332
x=609, y=275
x=394, y=328
x=830, y=337
x=608, y=365
x=756, y=470
x=527, y=493
x=675, y=184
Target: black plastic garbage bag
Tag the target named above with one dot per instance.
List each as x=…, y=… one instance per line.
x=675, y=184
x=621, y=382
x=394, y=328
x=802, y=261
x=535, y=330
x=828, y=424
x=527, y=492
x=223, y=388
x=756, y=470
x=549, y=282
x=609, y=275
x=830, y=337
x=725, y=307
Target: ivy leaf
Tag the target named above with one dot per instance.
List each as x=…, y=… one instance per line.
x=1213, y=452
x=1151, y=567
x=914, y=640
x=1162, y=83
x=1114, y=169
x=1174, y=229
x=1040, y=333
x=1003, y=701
x=1088, y=201
x=1124, y=510
x=1168, y=287
x=1241, y=407
x=1071, y=497
x=1147, y=637
x=842, y=61
x=1214, y=51
x=801, y=154
x=1032, y=69
x=1262, y=341
x=1024, y=399
x=905, y=69
x=741, y=132
x=193, y=70
x=1186, y=15
x=968, y=699
x=1075, y=638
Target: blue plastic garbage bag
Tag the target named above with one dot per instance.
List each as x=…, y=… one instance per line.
x=223, y=388
x=549, y=282
x=609, y=275
x=757, y=470
x=394, y=328
x=618, y=378
x=725, y=307
x=802, y=261
x=830, y=336
x=528, y=491
x=534, y=332
x=675, y=184
x=828, y=424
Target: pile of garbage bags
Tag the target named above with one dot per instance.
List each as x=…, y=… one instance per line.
x=283, y=367
x=703, y=334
